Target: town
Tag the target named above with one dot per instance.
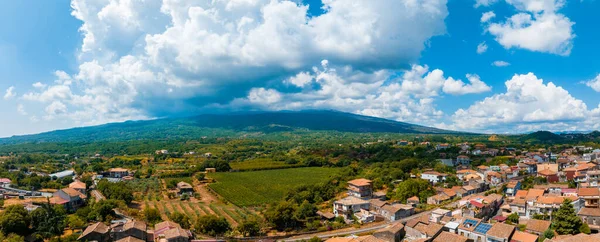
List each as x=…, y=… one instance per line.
x=469, y=193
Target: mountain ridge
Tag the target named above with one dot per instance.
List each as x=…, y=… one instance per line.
x=229, y=124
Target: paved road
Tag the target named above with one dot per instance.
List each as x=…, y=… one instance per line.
x=342, y=232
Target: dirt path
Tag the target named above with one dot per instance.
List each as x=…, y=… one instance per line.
x=205, y=195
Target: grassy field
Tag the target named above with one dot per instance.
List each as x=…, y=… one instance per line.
x=262, y=187
x=193, y=210
x=259, y=164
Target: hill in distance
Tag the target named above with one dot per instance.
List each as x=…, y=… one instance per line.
x=228, y=125
x=542, y=137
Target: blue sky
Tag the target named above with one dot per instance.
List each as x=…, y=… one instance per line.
x=75, y=63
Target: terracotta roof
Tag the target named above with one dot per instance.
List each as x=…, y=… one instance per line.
x=175, y=233
x=57, y=200
x=377, y=202
x=162, y=226
x=393, y=228
x=576, y=238
x=534, y=193
x=360, y=182
x=135, y=224
x=494, y=174
x=589, y=212
x=77, y=185
x=519, y=236
x=449, y=237
x=97, y=227
x=512, y=184
x=450, y=192
x=501, y=230
x=429, y=229
x=465, y=171
x=414, y=198
x=351, y=200
x=73, y=193
x=521, y=193
x=587, y=192
x=130, y=239
x=415, y=221
x=5, y=180
x=546, y=172
x=538, y=226
x=469, y=188
x=482, y=167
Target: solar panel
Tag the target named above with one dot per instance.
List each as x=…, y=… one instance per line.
x=470, y=221
x=483, y=228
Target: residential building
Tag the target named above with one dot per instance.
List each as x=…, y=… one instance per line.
x=347, y=206
x=133, y=228
x=78, y=186
x=591, y=216
x=500, y=232
x=414, y=201
x=474, y=229
x=590, y=195
x=361, y=188
x=70, y=198
x=396, y=212
x=392, y=233
x=95, y=232
x=512, y=187
x=519, y=236
x=551, y=176
x=118, y=172
x=442, y=146
x=433, y=176
x=463, y=160
x=437, y=199
x=449, y=237
x=184, y=188
x=536, y=226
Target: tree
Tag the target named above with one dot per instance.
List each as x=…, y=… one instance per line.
x=413, y=187
x=75, y=222
x=102, y=211
x=151, y=215
x=15, y=219
x=565, y=219
x=306, y=210
x=513, y=218
x=249, y=227
x=282, y=215
x=181, y=219
x=212, y=225
x=548, y=234
x=585, y=228
x=48, y=220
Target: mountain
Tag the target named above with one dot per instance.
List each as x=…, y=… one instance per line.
x=227, y=125
x=542, y=137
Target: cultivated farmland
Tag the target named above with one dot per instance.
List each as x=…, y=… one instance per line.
x=262, y=187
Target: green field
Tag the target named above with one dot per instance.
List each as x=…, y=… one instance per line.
x=262, y=187
x=260, y=164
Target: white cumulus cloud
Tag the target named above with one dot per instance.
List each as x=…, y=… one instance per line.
x=153, y=58
x=482, y=48
x=527, y=104
x=500, y=63
x=410, y=97
x=487, y=16
x=9, y=93
x=594, y=83
x=536, y=27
